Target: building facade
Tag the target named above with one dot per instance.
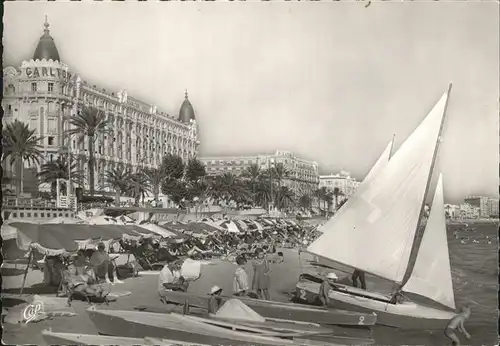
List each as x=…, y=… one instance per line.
x=302, y=174
x=488, y=207
x=43, y=92
x=343, y=181
x=469, y=211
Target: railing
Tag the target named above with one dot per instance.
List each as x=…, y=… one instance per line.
x=28, y=203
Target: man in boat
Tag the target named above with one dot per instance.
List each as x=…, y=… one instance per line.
x=358, y=274
x=170, y=279
x=102, y=265
x=240, y=282
x=215, y=300
x=457, y=323
x=328, y=283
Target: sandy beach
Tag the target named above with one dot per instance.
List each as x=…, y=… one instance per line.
x=143, y=292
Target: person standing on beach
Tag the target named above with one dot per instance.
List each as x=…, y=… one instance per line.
x=358, y=274
x=215, y=301
x=324, y=290
x=457, y=323
x=261, y=275
x=240, y=281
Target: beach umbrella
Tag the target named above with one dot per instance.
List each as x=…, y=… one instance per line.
x=126, y=220
x=266, y=222
x=46, y=236
x=230, y=226
x=241, y=225
x=163, y=232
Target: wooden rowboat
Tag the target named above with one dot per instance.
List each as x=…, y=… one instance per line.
x=190, y=329
x=289, y=311
x=52, y=338
x=343, y=334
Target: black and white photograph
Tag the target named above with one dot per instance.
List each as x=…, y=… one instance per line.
x=250, y=173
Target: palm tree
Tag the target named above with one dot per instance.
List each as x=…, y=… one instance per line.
x=154, y=178
x=90, y=122
x=58, y=169
x=198, y=192
x=227, y=188
x=138, y=186
x=264, y=193
x=336, y=193
x=252, y=174
x=305, y=201
x=117, y=179
x=280, y=173
x=328, y=198
x=284, y=197
x=20, y=144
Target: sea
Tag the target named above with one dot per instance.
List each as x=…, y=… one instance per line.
x=474, y=264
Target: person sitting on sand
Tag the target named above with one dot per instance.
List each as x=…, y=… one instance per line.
x=240, y=281
x=102, y=265
x=215, y=301
x=457, y=323
x=279, y=258
x=81, y=263
x=169, y=279
x=329, y=282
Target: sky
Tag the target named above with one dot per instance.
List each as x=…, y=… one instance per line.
x=329, y=81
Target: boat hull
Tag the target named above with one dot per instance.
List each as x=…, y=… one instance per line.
x=52, y=338
x=177, y=327
x=290, y=311
x=406, y=315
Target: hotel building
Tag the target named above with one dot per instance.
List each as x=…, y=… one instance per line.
x=488, y=207
x=302, y=174
x=343, y=181
x=43, y=92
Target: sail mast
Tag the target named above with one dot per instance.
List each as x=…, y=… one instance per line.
x=429, y=179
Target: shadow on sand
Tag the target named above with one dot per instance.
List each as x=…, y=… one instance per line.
x=35, y=289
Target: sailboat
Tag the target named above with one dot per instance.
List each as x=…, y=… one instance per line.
x=375, y=232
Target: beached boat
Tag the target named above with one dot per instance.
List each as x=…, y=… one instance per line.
x=376, y=232
x=191, y=329
x=52, y=338
x=281, y=310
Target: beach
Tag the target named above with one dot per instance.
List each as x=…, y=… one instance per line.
x=474, y=269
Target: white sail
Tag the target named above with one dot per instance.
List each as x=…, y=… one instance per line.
x=431, y=275
x=381, y=162
x=375, y=231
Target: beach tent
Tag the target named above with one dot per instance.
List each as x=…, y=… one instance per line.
x=266, y=222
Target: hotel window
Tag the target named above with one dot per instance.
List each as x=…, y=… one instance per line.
x=51, y=126
x=33, y=87
x=51, y=88
x=51, y=140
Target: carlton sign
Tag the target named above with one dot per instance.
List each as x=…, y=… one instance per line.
x=37, y=72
